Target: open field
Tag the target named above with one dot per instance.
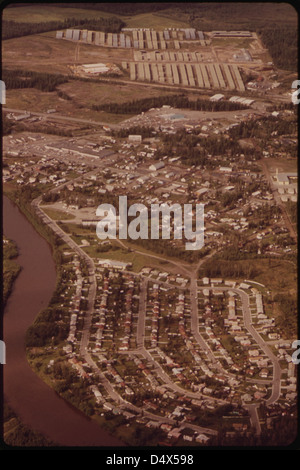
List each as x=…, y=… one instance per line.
x=93, y=93
x=54, y=56
x=38, y=101
x=242, y=16
x=43, y=13
x=56, y=214
x=152, y=20
x=285, y=280
x=231, y=42
x=282, y=164
x=82, y=96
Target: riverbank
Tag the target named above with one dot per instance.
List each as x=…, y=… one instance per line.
x=11, y=268
x=38, y=405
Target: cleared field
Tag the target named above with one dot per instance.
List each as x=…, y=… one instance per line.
x=42, y=13
x=57, y=214
x=282, y=164
x=54, y=56
x=83, y=95
x=38, y=101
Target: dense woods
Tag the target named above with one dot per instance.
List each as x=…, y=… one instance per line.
x=11, y=268
x=264, y=128
x=282, y=44
x=177, y=101
x=7, y=125
x=134, y=130
x=13, y=29
x=27, y=79
x=195, y=149
x=287, y=321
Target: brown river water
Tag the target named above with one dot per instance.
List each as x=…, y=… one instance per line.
x=33, y=401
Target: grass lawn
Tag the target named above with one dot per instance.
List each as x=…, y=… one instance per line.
x=283, y=165
x=57, y=214
x=232, y=42
x=138, y=261
x=53, y=55
x=88, y=94
x=43, y=13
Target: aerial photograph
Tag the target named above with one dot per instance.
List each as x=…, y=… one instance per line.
x=149, y=228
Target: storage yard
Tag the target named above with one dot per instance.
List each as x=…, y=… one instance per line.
x=214, y=76
x=183, y=57
x=136, y=38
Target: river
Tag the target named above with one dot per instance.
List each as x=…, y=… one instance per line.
x=37, y=404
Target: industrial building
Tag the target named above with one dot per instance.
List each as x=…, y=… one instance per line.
x=232, y=34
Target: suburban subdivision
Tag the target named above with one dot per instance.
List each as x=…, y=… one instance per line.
x=158, y=344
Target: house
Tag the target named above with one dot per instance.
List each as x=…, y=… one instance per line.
x=201, y=438
x=107, y=263
x=174, y=433
x=156, y=166
x=135, y=138
x=225, y=169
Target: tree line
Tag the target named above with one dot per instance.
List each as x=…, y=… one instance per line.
x=13, y=29
x=264, y=128
x=198, y=150
x=282, y=43
x=27, y=79
x=176, y=101
x=134, y=130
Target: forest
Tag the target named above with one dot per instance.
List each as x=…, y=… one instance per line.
x=282, y=44
x=27, y=79
x=134, y=130
x=287, y=321
x=176, y=101
x=264, y=128
x=13, y=29
x=197, y=150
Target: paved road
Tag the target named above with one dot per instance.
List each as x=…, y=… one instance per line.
x=141, y=329
x=279, y=202
x=254, y=419
x=195, y=323
x=140, y=333
x=59, y=117
x=252, y=408
x=262, y=344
